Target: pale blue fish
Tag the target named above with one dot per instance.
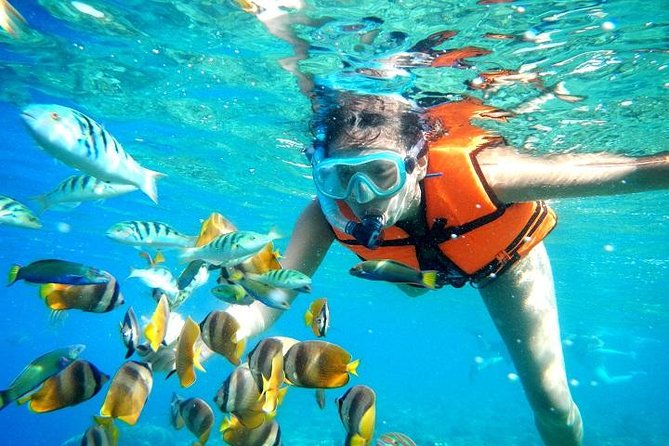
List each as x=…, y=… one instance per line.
x=156, y=277
x=80, y=142
x=394, y=439
x=153, y=234
x=229, y=249
x=284, y=278
x=77, y=188
x=13, y=213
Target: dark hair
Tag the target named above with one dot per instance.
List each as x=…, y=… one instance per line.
x=346, y=118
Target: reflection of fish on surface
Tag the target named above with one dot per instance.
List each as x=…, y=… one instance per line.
x=318, y=364
x=357, y=410
x=240, y=396
x=13, y=213
x=76, y=383
x=102, y=433
x=72, y=191
x=58, y=271
x=128, y=392
x=80, y=142
x=10, y=19
x=394, y=439
x=236, y=434
x=38, y=371
x=150, y=234
x=317, y=317
x=95, y=298
x=195, y=414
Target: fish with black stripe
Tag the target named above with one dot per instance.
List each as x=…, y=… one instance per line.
x=13, y=213
x=73, y=190
x=317, y=317
x=103, y=433
x=195, y=414
x=153, y=234
x=240, y=396
x=128, y=392
x=76, y=383
x=220, y=332
x=80, y=142
x=229, y=249
x=357, y=410
x=318, y=365
x=266, y=365
x=130, y=332
x=97, y=298
x=236, y=434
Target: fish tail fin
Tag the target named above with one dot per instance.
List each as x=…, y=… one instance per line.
x=13, y=274
x=429, y=279
x=352, y=367
x=42, y=202
x=308, y=318
x=149, y=185
x=24, y=399
x=281, y=395
x=355, y=440
x=4, y=399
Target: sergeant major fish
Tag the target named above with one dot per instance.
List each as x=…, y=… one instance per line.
x=13, y=213
x=229, y=249
x=78, y=141
x=153, y=234
x=77, y=188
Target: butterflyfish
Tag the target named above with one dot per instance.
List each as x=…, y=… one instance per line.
x=240, y=396
x=39, y=370
x=103, y=433
x=266, y=365
x=236, y=434
x=57, y=271
x=318, y=364
x=76, y=383
x=163, y=360
x=317, y=317
x=219, y=331
x=155, y=330
x=96, y=298
x=128, y=392
x=77, y=140
x=395, y=272
x=195, y=414
x=357, y=410
x=130, y=332
x=188, y=353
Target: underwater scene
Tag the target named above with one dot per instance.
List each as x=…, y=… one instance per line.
x=157, y=154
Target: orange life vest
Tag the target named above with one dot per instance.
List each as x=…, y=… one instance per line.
x=463, y=232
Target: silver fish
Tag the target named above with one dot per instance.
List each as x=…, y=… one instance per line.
x=77, y=188
x=155, y=234
x=80, y=142
x=130, y=332
x=13, y=213
x=156, y=277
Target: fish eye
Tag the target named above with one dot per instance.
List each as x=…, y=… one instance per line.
x=55, y=116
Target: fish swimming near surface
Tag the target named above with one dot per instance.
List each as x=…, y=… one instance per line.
x=317, y=317
x=318, y=365
x=78, y=188
x=240, y=396
x=38, y=371
x=195, y=414
x=128, y=392
x=58, y=271
x=96, y=298
x=103, y=433
x=229, y=249
x=130, y=332
x=152, y=234
x=395, y=272
x=76, y=383
x=394, y=439
x=13, y=213
x=236, y=434
x=155, y=330
x=188, y=353
x=357, y=410
x=219, y=331
x=80, y=142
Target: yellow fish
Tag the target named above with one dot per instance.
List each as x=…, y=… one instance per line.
x=266, y=365
x=128, y=392
x=75, y=384
x=318, y=365
x=236, y=434
x=219, y=332
x=318, y=317
x=188, y=353
x=155, y=330
x=240, y=396
x=357, y=410
x=94, y=298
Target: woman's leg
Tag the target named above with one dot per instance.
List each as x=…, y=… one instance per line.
x=522, y=305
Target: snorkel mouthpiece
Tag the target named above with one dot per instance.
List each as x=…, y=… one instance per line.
x=368, y=232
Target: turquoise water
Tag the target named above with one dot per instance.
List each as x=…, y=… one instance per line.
x=193, y=89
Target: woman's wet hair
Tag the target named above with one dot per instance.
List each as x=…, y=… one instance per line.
x=346, y=119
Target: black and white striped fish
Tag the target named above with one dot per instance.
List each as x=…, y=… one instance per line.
x=154, y=234
x=77, y=188
x=13, y=213
x=80, y=142
x=229, y=249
